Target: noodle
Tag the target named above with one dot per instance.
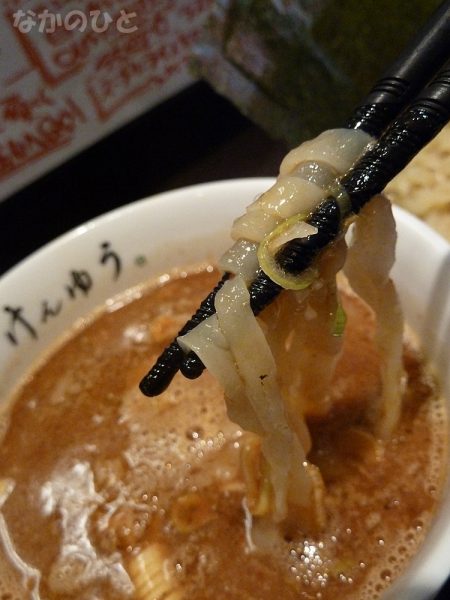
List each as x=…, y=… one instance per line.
x=277, y=369
x=367, y=268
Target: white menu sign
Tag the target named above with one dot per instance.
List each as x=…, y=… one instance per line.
x=71, y=72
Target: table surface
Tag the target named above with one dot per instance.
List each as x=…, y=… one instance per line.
x=195, y=137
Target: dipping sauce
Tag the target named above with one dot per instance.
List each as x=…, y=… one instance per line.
x=107, y=494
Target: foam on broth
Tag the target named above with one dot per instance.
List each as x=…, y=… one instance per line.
x=101, y=473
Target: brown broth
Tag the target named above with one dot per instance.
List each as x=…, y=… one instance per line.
x=101, y=472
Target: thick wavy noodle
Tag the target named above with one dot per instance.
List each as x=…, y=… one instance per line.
x=368, y=264
x=277, y=370
x=307, y=174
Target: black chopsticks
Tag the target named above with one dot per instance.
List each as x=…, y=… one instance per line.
x=403, y=126
x=414, y=67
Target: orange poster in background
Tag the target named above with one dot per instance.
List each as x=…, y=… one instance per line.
x=71, y=72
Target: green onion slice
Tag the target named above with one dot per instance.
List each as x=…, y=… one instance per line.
x=340, y=320
x=286, y=231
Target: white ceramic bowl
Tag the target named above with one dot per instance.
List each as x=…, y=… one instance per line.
x=183, y=227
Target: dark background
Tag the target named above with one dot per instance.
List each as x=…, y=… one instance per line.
x=194, y=137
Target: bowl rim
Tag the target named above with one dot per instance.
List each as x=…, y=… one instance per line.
x=414, y=223
x=440, y=245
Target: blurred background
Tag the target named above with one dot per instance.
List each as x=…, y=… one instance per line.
x=100, y=107
x=103, y=104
